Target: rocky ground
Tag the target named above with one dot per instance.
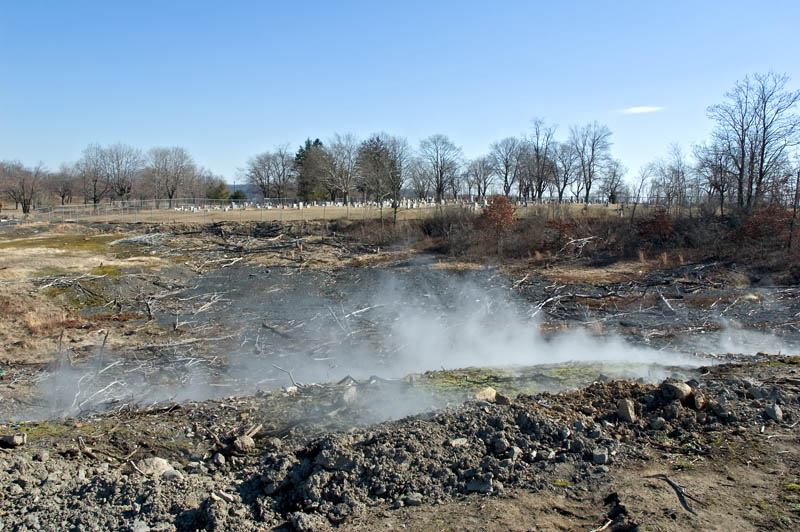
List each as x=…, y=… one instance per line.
x=587, y=449
x=126, y=332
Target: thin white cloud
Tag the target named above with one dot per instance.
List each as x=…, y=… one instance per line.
x=641, y=109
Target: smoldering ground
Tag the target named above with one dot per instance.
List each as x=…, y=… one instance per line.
x=271, y=328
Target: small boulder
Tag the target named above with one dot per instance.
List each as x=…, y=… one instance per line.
x=657, y=423
x=774, y=412
x=675, y=389
x=244, y=444
x=501, y=399
x=303, y=522
x=487, y=394
x=697, y=400
x=600, y=456
x=413, y=499
x=13, y=440
x=154, y=466
x=626, y=411
x=457, y=442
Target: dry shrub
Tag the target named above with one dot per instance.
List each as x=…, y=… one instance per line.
x=496, y=220
x=656, y=229
x=47, y=322
x=768, y=226
x=498, y=217
x=11, y=306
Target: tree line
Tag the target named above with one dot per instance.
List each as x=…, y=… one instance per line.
x=751, y=157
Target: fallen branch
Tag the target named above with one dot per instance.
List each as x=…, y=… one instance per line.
x=679, y=491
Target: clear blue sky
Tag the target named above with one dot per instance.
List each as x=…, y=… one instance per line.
x=227, y=80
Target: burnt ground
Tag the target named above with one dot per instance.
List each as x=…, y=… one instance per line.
x=178, y=344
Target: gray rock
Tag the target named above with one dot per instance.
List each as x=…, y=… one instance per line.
x=139, y=526
x=657, y=423
x=219, y=460
x=499, y=444
x=514, y=453
x=674, y=389
x=303, y=522
x=14, y=440
x=774, y=412
x=457, y=442
x=154, y=467
x=172, y=474
x=626, y=411
x=244, y=444
x=600, y=456
x=482, y=484
x=413, y=499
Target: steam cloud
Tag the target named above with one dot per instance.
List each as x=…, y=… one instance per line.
x=391, y=324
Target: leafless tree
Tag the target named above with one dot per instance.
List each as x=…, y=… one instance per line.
x=713, y=167
x=382, y=166
x=479, y=173
x=592, y=147
x=505, y=161
x=339, y=163
x=670, y=177
x=122, y=164
x=64, y=183
x=23, y=185
x=90, y=171
x=541, y=157
x=443, y=159
x=613, y=180
x=756, y=126
x=566, y=168
x=283, y=170
x=420, y=177
x=258, y=173
x=639, y=186
x=169, y=169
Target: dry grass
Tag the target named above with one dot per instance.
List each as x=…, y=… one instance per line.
x=48, y=322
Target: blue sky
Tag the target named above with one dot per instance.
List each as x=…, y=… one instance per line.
x=227, y=80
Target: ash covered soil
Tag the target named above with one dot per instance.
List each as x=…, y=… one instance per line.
x=262, y=377
x=719, y=451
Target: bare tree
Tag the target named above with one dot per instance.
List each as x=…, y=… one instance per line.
x=670, y=177
x=712, y=165
x=479, y=173
x=23, y=185
x=612, y=180
x=170, y=169
x=283, y=170
x=566, y=168
x=420, y=177
x=505, y=161
x=90, y=170
x=339, y=163
x=592, y=147
x=642, y=180
x=756, y=126
x=777, y=127
x=122, y=164
x=63, y=183
x=258, y=173
x=541, y=157
x=442, y=158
